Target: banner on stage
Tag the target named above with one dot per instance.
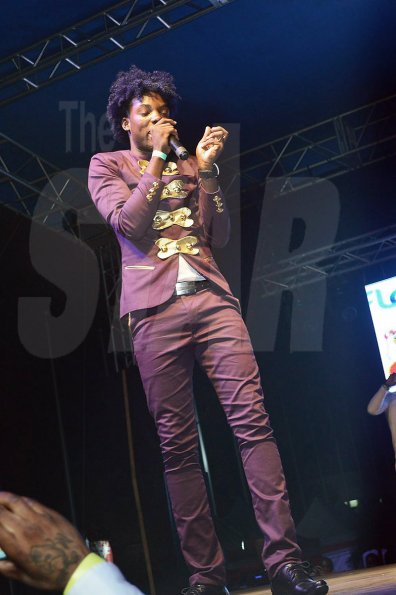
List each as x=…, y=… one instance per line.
x=382, y=302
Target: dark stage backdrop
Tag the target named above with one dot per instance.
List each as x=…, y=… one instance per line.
x=268, y=68
x=331, y=449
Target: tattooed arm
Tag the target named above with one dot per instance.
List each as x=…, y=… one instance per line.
x=42, y=547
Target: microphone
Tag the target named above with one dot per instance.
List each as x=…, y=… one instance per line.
x=178, y=148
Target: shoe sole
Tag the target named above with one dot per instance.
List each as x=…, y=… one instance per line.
x=321, y=591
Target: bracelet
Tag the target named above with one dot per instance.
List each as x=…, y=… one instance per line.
x=160, y=154
x=86, y=564
x=209, y=173
x=214, y=192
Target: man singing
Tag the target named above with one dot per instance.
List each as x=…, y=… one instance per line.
x=168, y=214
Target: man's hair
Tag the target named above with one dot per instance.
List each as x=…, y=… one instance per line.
x=135, y=83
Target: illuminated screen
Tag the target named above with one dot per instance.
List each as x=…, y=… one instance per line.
x=382, y=301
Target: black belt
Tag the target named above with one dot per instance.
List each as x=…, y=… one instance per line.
x=190, y=287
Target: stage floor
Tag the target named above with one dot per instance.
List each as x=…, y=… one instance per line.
x=380, y=580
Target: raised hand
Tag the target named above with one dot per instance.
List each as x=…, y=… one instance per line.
x=210, y=146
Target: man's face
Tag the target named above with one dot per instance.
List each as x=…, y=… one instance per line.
x=142, y=116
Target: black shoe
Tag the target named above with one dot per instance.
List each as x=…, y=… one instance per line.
x=297, y=579
x=205, y=590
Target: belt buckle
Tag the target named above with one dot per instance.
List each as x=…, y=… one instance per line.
x=186, y=288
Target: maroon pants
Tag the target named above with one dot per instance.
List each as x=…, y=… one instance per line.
x=167, y=340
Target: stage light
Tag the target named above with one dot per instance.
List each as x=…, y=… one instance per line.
x=352, y=503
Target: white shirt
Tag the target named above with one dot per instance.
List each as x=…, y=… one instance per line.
x=103, y=579
x=187, y=272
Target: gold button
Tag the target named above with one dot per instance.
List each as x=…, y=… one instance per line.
x=182, y=217
x=171, y=217
x=178, y=247
x=164, y=249
x=157, y=219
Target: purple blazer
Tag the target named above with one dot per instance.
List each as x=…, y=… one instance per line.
x=129, y=201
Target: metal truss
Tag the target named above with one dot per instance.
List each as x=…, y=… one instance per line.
x=119, y=340
x=340, y=258
x=37, y=189
x=123, y=26
x=326, y=150
x=331, y=148
x=41, y=191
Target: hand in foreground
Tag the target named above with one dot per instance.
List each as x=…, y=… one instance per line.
x=211, y=146
x=42, y=547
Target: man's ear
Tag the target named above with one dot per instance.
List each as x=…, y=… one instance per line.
x=125, y=124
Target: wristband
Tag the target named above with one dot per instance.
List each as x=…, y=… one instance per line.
x=86, y=564
x=214, y=192
x=209, y=173
x=160, y=154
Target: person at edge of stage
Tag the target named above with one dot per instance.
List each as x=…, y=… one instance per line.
x=168, y=214
x=46, y=552
x=384, y=401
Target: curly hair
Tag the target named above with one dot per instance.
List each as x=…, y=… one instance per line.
x=135, y=83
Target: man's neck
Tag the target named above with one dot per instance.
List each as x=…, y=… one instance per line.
x=139, y=153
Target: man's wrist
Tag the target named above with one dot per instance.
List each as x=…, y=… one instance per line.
x=207, y=171
x=160, y=154
x=86, y=564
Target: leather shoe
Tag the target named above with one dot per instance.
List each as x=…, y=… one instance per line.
x=200, y=589
x=296, y=579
